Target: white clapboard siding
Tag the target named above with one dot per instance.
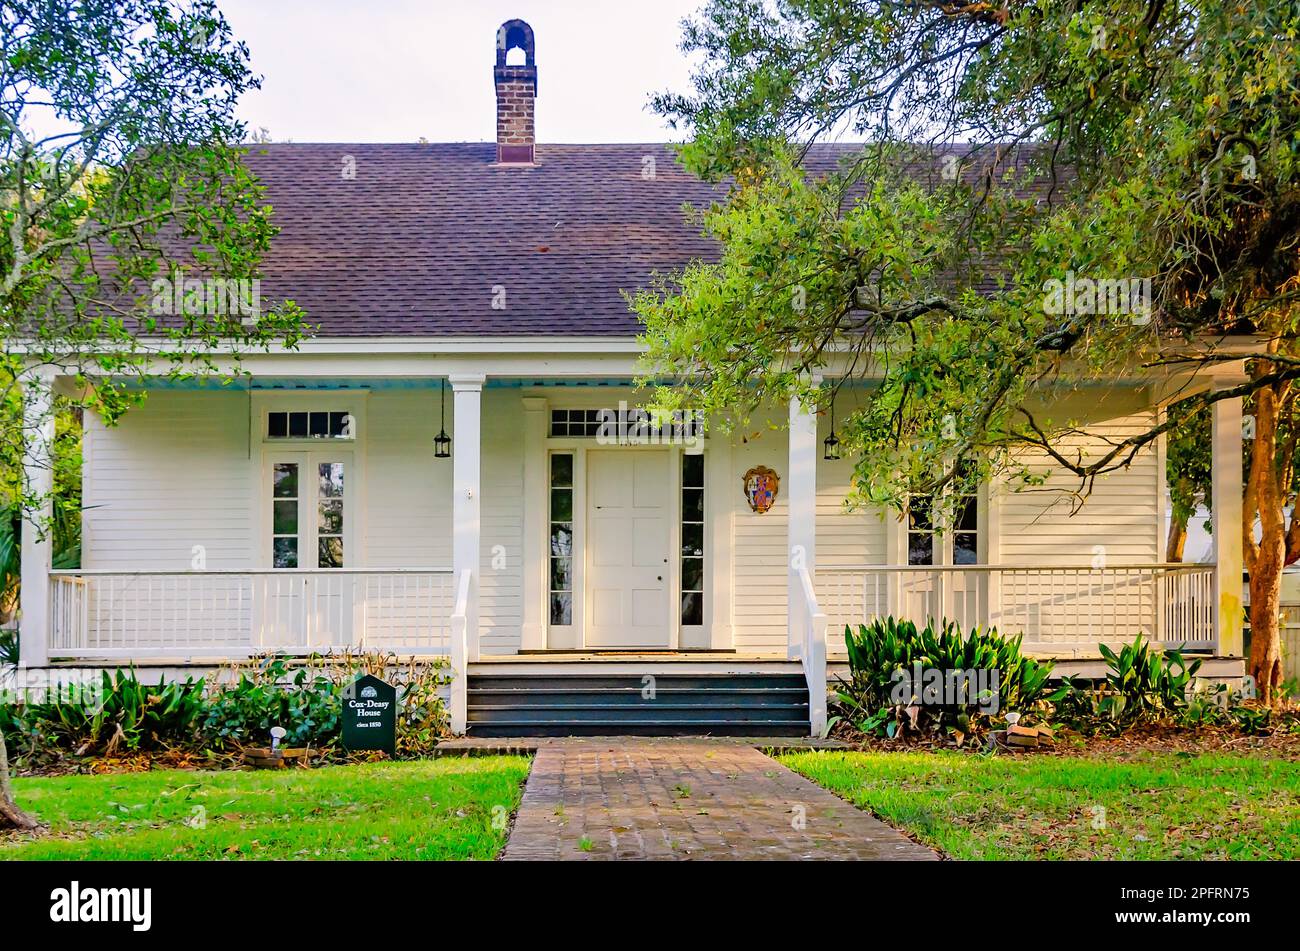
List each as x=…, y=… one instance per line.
x=501, y=542
x=169, y=487
x=180, y=472
x=843, y=536
x=172, y=475
x=1118, y=524
x=759, y=587
x=407, y=517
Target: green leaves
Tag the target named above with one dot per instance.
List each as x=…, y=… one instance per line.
x=1003, y=148
x=126, y=716
x=304, y=697
x=120, y=163
x=1141, y=685
x=889, y=651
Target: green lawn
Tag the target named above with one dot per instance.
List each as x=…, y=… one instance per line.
x=452, y=808
x=1147, y=806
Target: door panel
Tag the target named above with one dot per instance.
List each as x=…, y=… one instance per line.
x=628, y=523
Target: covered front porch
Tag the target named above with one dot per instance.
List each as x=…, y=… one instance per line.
x=314, y=512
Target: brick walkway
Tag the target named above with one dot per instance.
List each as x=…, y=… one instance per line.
x=625, y=799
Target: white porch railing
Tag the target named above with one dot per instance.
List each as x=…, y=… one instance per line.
x=1065, y=609
x=810, y=625
x=460, y=654
x=110, y=614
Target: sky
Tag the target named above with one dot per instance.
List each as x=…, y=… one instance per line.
x=398, y=70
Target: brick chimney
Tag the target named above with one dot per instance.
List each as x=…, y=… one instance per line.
x=516, y=93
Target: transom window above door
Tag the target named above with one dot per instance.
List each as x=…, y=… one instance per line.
x=575, y=422
x=310, y=424
x=626, y=424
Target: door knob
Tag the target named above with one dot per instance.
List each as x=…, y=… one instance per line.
x=659, y=578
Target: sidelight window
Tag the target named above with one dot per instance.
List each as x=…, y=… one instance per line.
x=560, y=567
x=692, y=556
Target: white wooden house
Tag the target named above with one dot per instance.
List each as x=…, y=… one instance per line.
x=474, y=290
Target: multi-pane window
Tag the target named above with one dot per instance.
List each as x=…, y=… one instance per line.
x=285, y=486
x=575, y=422
x=295, y=502
x=692, y=539
x=965, y=537
x=329, y=527
x=561, y=539
x=920, y=531
x=925, y=545
x=313, y=424
x=635, y=425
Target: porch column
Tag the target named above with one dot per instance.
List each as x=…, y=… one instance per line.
x=535, y=543
x=37, y=532
x=467, y=392
x=801, y=489
x=1226, y=489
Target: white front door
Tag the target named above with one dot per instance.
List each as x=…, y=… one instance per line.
x=629, y=521
x=310, y=501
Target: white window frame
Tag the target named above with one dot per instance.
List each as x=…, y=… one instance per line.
x=262, y=449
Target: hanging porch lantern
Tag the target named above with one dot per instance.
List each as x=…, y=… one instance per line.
x=442, y=442
x=832, y=442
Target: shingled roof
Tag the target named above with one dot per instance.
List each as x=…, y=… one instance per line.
x=421, y=239
x=424, y=239
x=505, y=237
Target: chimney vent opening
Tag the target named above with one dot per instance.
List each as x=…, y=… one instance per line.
x=516, y=88
x=513, y=35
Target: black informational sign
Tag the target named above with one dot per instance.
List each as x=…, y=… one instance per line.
x=370, y=715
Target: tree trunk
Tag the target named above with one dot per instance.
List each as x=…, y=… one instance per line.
x=1268, y=556
x=1265, y=622
x=11, y=817
x=1176, y=541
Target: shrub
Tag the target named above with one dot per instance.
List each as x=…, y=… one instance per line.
x=127, y=716
x=422, y=718
x=267, y=691
x=882, y=653
x=1152, y=683
x=1142, y=684
x=306, y=700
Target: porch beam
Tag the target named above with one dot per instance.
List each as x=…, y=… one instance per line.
x=37, y=530
x=1226, y=488
x=466, y=463
x=801, y=528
